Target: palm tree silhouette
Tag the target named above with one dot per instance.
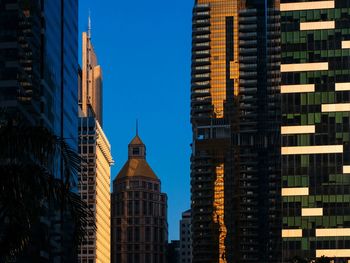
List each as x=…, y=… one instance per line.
x=37, y=172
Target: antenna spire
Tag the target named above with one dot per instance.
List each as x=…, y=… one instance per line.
x=89, y=25
x=137, y=127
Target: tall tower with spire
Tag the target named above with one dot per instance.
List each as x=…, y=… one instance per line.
x=95, y=151
x=90, y=92
x=139, y=211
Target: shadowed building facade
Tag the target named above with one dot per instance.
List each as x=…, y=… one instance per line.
x=95, y=150
x=315, y=93
x=235, y=161
x=39, y=76
x=139, y=211
x=39, y=87
x=185, y=253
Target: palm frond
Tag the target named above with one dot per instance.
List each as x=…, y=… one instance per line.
x=36, y=168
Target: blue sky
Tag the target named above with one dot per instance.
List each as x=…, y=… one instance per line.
x=144, y=48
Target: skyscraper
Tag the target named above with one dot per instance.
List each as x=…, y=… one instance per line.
x=95, y=150
x=173, y=252
x=90, y=95
x=315, y=128
x=235, y=119
x=39, y=47
x=139, y=211
x=38, y=86
x=185, y=238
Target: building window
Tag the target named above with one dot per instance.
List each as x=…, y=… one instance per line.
x=129, y=258
x=150, y=208
x=130, y=239
x=144, y=208
x=155, y=234
x=137, y=234
x=130, y=195
x=134, y=184
x=137, y=207
x=136, y=151
x=147, y=234
x=130, y=212
x=119, y=234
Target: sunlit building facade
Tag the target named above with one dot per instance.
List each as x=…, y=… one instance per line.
x=315, y=93
x=235, y=119
x=139, y=211
x=95, y=168
x=90, y=94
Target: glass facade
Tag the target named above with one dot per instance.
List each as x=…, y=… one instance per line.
x=209, y=85
x=252, y=181
x=70, y=71
x=235, y=161
x=39, y=86
x=39, y=76
x=315, y=129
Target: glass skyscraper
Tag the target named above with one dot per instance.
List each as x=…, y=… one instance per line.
x=39, y=76
x=39, y=86
x=235, y=165
x=315, y=94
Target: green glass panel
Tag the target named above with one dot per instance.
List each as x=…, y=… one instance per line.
x=304, y=244
x=317, y=117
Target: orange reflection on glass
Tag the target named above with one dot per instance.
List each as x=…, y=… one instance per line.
x=218, y=215
x=219, y=11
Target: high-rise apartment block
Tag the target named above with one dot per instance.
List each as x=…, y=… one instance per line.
x=270, y=116
x=39, y=87
x=235, y=166
x=185, y=238
x=315, y=94
x=95, y=150
x=139, y=211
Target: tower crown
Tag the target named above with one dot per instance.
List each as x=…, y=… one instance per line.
x=137, y=149
x=137, y=164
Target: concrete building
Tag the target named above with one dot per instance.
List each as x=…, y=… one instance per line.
x=139, y=211
x=185, y=238
x=95, y=150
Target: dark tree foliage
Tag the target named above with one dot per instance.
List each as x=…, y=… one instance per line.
x=37, y=171
x=323, y=259
x=298, y=259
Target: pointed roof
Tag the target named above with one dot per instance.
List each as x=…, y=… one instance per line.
x=136, y=141
x=136, y=167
